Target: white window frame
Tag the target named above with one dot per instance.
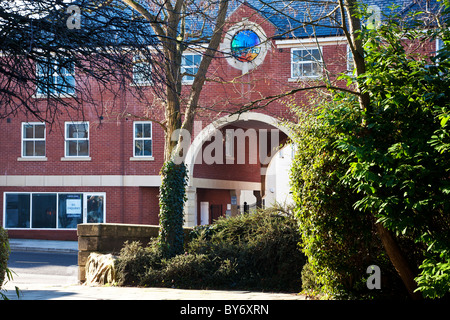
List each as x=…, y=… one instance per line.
x=184, y=67
x=53, y=65
x=34, y=139
x=142, y=157
x=320, y=62
x=67, y=139
x=139, y=78
x=84, y=212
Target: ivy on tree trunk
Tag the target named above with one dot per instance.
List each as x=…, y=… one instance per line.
x=172, y=195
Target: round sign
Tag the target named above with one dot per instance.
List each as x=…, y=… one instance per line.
x=245, y=45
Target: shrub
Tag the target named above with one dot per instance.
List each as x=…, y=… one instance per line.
x=4, y=254
x=339, y=240
x=255, y=251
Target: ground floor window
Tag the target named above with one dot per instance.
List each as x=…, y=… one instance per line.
x=35, y=210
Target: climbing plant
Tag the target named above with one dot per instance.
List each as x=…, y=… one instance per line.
x=172, y=195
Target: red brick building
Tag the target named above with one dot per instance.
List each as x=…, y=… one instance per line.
x=106, y=168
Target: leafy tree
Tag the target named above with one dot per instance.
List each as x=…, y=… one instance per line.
x=393, y=155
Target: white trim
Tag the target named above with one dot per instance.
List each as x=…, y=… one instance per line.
x=74, y=158
x=80, y=181
x=142, y=158
x=32, y=159
x=289, y=43
x=225, y=46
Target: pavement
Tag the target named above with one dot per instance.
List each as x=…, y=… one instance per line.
x=47, y=287
x=43, y=245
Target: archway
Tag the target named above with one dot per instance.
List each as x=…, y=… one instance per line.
x=227, y=180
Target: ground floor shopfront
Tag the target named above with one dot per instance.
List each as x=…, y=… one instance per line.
x=53, y=212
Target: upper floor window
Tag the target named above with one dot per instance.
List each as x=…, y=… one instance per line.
x=77, y=139
x=306, y=63
x=142, y=139
x=33, y=139
x=142, y=71
x=55, y=77
x=190, y=63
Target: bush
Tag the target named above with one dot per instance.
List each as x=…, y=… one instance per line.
x=339, y=240
x=257, y=251
x=4, y=254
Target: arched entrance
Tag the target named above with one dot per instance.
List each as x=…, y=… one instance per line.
x=227, y=163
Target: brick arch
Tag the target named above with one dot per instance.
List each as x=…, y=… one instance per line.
x=204, y=136
x=209, y=130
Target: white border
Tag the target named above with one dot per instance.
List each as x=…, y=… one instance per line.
x=226, y=46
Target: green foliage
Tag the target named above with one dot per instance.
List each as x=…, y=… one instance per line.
x=387, y=164
x=339, y=241
x=4, y=254
x=256, y=251
x=5, y=272
x=172, y=195
x=400, y=162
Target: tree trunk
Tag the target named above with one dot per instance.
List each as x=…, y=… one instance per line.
x=399, y=261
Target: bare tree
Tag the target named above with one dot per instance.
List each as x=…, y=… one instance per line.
x=45, y=49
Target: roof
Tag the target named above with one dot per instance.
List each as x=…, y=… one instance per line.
x=292, y=15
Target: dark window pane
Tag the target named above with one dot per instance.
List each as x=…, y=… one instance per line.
x=39, y=149
x=39, y=131
x=83, y=148
x=147, y=148
x=17, y=211
x=44, y=211
x=28, y=148
x=139, y=148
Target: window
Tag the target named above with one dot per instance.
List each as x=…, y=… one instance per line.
x=306, y=63
x=33, y=140
x=77, y=139
x=44, y=210
x=143, y=139
x=189, y=65
x=70, y=210
x=55, y=77
x=17, y=210
x=142, y=71
x=52, y=210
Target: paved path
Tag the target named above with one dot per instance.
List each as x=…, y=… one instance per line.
x=80, y=292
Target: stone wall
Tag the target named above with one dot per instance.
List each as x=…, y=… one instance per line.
x=109, y=238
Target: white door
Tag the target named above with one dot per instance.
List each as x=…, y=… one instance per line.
x=204, y=213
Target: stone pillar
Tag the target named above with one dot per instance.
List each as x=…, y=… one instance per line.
x=190, y=207
x=235, y=199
